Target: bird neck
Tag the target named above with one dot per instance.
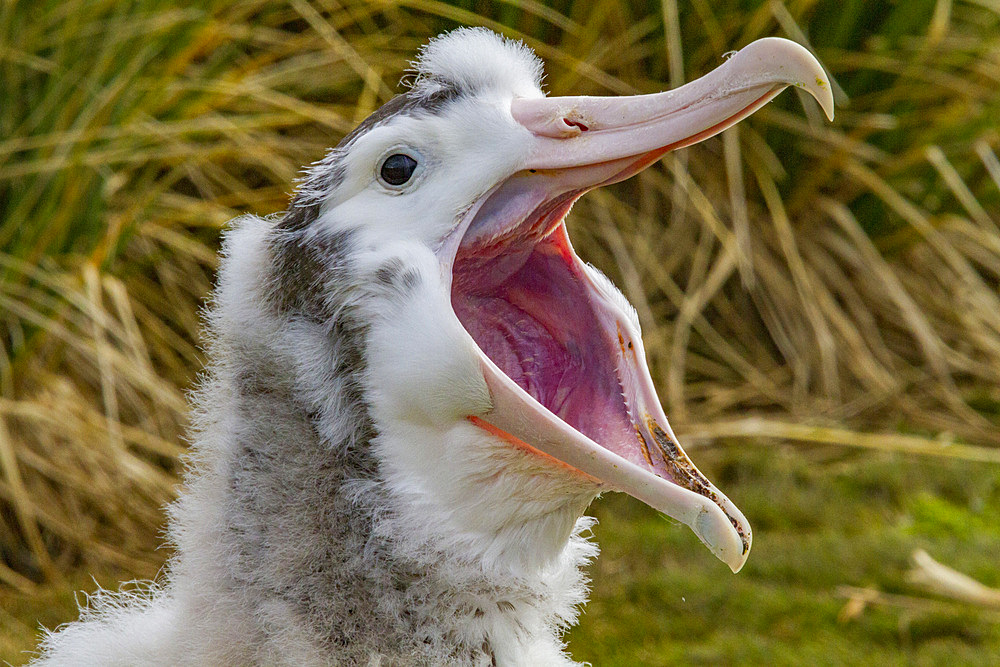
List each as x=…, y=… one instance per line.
x=294, y=508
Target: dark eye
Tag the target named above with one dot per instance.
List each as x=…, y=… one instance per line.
x=397, y=169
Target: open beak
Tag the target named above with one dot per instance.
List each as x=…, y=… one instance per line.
x=561, y=354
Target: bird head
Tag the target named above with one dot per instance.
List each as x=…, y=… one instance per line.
x=493, y=349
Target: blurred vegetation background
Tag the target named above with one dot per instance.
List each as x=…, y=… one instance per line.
x=820, y=301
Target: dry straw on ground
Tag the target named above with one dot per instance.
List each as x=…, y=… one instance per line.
x=821, y=283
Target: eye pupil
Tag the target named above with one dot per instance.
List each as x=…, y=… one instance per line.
x=398, y=169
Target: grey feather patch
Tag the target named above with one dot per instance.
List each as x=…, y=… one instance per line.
x=307, y=269
x=397, y=277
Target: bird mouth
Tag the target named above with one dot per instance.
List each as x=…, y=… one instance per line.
x=559, y=347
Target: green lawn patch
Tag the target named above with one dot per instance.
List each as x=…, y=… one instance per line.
x=660, y=598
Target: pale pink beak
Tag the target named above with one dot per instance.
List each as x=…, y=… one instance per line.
x=612, y=128
x=514, y=255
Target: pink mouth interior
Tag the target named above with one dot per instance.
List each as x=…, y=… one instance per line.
x=525, y=302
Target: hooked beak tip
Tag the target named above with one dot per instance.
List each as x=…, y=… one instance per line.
x=726, y=533
x=807, y=73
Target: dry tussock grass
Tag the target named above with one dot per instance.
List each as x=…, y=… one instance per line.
x=822, y=283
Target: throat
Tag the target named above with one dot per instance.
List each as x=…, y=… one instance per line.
x=487, y=558
x=508, y=513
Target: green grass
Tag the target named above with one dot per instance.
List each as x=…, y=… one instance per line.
x=818, y=526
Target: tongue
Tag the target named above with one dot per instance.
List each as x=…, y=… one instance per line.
x=536, y=323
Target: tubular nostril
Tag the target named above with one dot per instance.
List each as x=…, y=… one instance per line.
x=575, y=123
